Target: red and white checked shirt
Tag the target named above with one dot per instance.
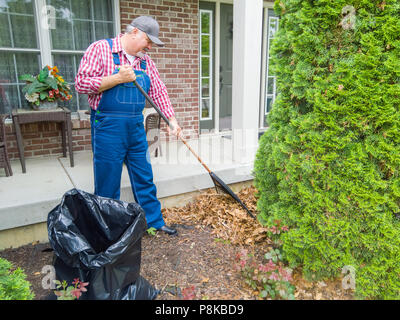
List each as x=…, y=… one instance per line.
x=97, y=63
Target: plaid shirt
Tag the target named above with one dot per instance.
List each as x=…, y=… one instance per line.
x=97, y=63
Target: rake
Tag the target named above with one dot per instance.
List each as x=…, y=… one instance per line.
x=218, y=183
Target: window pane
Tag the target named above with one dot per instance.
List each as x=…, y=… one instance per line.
x=104, y=30
x=18, y=6
x=205, y=88
x=81, y=9
x=24, y=63
x=83, y=102
x=205, y=108
x=83, y=34
x=270, y=85
x=205, y=22
x=24, y=32
x=76, y=27
x=27, y=63
x=103, y=10
x=68, y=65
x=25, y=104
x=63, y=9
x=8, y=97
x=17, y=15
x=205, y=45
x=65, y=63
x=5, y=39
x=7, y=70
x=273, y=27
x=61, y=36
x=205, y=66
x=269, y=104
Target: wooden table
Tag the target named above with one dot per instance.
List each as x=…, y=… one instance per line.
x=63, y=115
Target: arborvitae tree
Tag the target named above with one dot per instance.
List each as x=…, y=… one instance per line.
x=328, y=166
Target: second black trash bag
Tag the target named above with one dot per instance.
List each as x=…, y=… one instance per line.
x=98, y=240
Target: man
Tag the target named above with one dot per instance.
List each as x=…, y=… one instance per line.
x=106, y=73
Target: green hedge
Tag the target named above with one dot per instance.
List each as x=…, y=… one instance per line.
x=13, y=285
x=328, y=166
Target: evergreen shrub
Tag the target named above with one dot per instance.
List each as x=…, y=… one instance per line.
x=13, y=285
x=328, y=166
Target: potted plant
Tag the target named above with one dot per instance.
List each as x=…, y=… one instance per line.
x=44, y=89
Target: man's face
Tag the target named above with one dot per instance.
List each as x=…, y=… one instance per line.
x=140, y=42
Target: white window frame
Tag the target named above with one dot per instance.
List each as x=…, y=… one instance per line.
x=44, y=36
x=210, y=66
x=265, y=66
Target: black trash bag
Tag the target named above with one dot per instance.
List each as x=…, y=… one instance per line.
x=98, y=240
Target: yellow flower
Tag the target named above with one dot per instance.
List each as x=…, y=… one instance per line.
x=59, y=78
x=55, y=69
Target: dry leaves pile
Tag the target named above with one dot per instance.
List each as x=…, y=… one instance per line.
x=230, y=222
x=227, y=218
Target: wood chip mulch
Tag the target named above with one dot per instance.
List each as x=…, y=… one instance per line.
x=198, y=263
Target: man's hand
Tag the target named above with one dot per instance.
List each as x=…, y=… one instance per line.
x=174, y=129
x=125, y=74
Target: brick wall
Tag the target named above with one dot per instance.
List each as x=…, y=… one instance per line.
x=177, y=62
x=44, y=138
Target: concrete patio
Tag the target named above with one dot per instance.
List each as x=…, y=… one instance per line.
x=26, y=199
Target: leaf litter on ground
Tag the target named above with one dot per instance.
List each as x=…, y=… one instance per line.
x=227, y=218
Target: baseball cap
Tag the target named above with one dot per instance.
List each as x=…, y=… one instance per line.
x=149, y=26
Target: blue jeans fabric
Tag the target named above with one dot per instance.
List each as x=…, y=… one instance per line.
x=118, y=136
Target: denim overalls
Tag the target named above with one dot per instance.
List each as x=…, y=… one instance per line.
x=118, y=136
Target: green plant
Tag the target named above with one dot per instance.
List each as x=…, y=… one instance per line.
x=328, y=167
x=45, y=87
x=13, y=285
x=67, y=292
x=272, y=279
x=151, y=231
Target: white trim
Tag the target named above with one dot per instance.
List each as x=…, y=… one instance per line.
x=59, y=51
x=217, y=57
x=210, y=65
x=265, y=66
x=266, y=6
x=43, y=33
x=19, y=50
x=117, y=17
x=247, y=48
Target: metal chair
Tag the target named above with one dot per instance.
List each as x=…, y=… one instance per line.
x=152, y=127
x=4, y=158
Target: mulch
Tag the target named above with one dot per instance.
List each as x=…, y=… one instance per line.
x=198, y=263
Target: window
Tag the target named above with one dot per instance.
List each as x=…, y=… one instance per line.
x=206, y=83
x=270, y=82
x=27, y=43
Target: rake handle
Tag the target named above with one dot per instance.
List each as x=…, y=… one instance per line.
x=162, y=115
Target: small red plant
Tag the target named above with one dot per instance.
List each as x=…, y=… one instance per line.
x=189, y=293
x=270, y=278
x=73, y=292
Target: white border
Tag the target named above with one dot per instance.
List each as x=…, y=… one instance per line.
x=210, y=56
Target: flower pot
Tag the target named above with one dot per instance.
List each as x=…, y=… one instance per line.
x=46, y=105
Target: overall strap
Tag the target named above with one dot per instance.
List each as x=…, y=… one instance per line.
x=115, y=54
x=143, y=64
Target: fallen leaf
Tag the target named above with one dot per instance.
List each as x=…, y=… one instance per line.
x=205, y=280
